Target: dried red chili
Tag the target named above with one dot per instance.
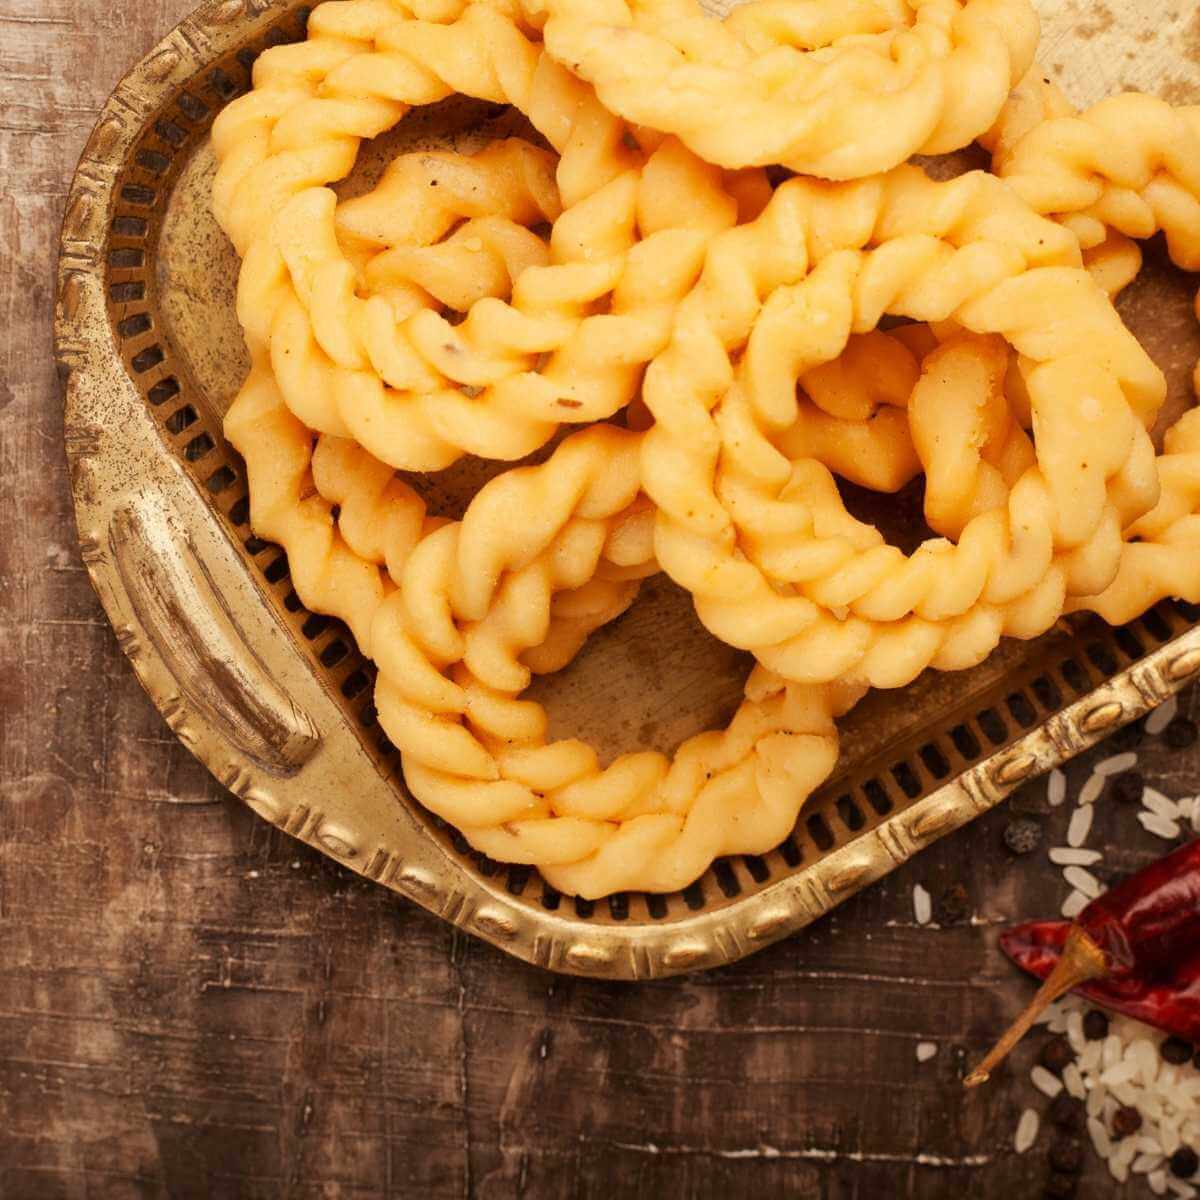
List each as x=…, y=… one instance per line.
x=1135, y=950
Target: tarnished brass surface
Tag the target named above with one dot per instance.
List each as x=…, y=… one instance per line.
x=273, y=701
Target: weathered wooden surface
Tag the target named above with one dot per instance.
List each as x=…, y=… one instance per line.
x=193, y=1005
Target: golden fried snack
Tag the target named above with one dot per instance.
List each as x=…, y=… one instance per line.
x=835, y=601
x=1161, y=557
x=543, y=556
x=412, y=386
x=1129, y=167
x=827, y=88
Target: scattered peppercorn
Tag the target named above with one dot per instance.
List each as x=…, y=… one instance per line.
x=1067, y=1156
x=1176, y=1051
x=1061, y=1187
x=1185, y=1162
x=1181, y=733
x=1126, y=1121
x=1095, y=1026
x=954, y=906
x=1022, y=836
x=1066, y=1113
x=1057, y=1055
x=1128, y=788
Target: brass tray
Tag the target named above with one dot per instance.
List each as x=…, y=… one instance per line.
x=276, y=701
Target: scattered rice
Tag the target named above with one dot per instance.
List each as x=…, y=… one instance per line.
x=1116, y=763
x=922, y=905
x=926, y=1051
x=1159, y=826
x=1090, y=792
x=1081, y=825
x=1162, y=716
x=1072, y=856
x=1156, y=802
x=1027, y=1131
x=1158, y=1182
x=1056, y=788
x=1045, y=1082
x=1075, y=1033
x=1113, y=1051
x=1099, y=1136
x=1074, y=904
x=1084, y=881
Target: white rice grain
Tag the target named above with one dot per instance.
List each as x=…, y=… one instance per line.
x=1046, y=1082
x=1158, y=1182
x=1164, y=806
x=1081, y=825
x=1027, y=1131
x=1084, y=881
x=1071, y=856
x=1116, y=763
x=1162, y=716
x=926, y=1051
x=1099, y=1136
x=1056, y=788
x=1159, y=826
x=922, y=905
x=1073, y=1081
x=1145, y=1163
x=1144, y=1053
x=1074, y=904
x=1114, y=1051
x=1183, y=1190
x=1121, y=1073
x=1090, y=792
x=1075, y=1033
x=1171, y=1140
x=1095, y=1102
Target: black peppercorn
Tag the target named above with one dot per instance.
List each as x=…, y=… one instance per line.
x=1022, y=836
x=1184, y=1163
x=1061, y=1187
x=1057, y=1055
x=1176, y=1051
x=1128, y=788
x=1095, y=1026
x=1180, y=734
x=1066, y=1113
x=1067, y=1156
x=1126, y=1121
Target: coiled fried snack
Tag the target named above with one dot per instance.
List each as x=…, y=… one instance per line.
x=543, y=556
x=834, y=601
x=412, y=386
x=1127, y=168
x=839, y=91
x=1161, y=556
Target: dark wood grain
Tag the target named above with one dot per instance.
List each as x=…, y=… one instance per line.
x=193, y=1005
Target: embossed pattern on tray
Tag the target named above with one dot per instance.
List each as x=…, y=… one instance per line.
x=276, y=701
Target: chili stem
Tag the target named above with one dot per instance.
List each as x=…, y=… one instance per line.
x=1081, y=961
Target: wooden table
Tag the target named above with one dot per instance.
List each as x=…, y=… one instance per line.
x=171, y=1024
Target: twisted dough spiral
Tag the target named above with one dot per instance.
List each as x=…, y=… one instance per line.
x=414, y=388
x=834, y=601
x=1129, y=167
x=839, y=91
x=543, y=556
x=1162, y=555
